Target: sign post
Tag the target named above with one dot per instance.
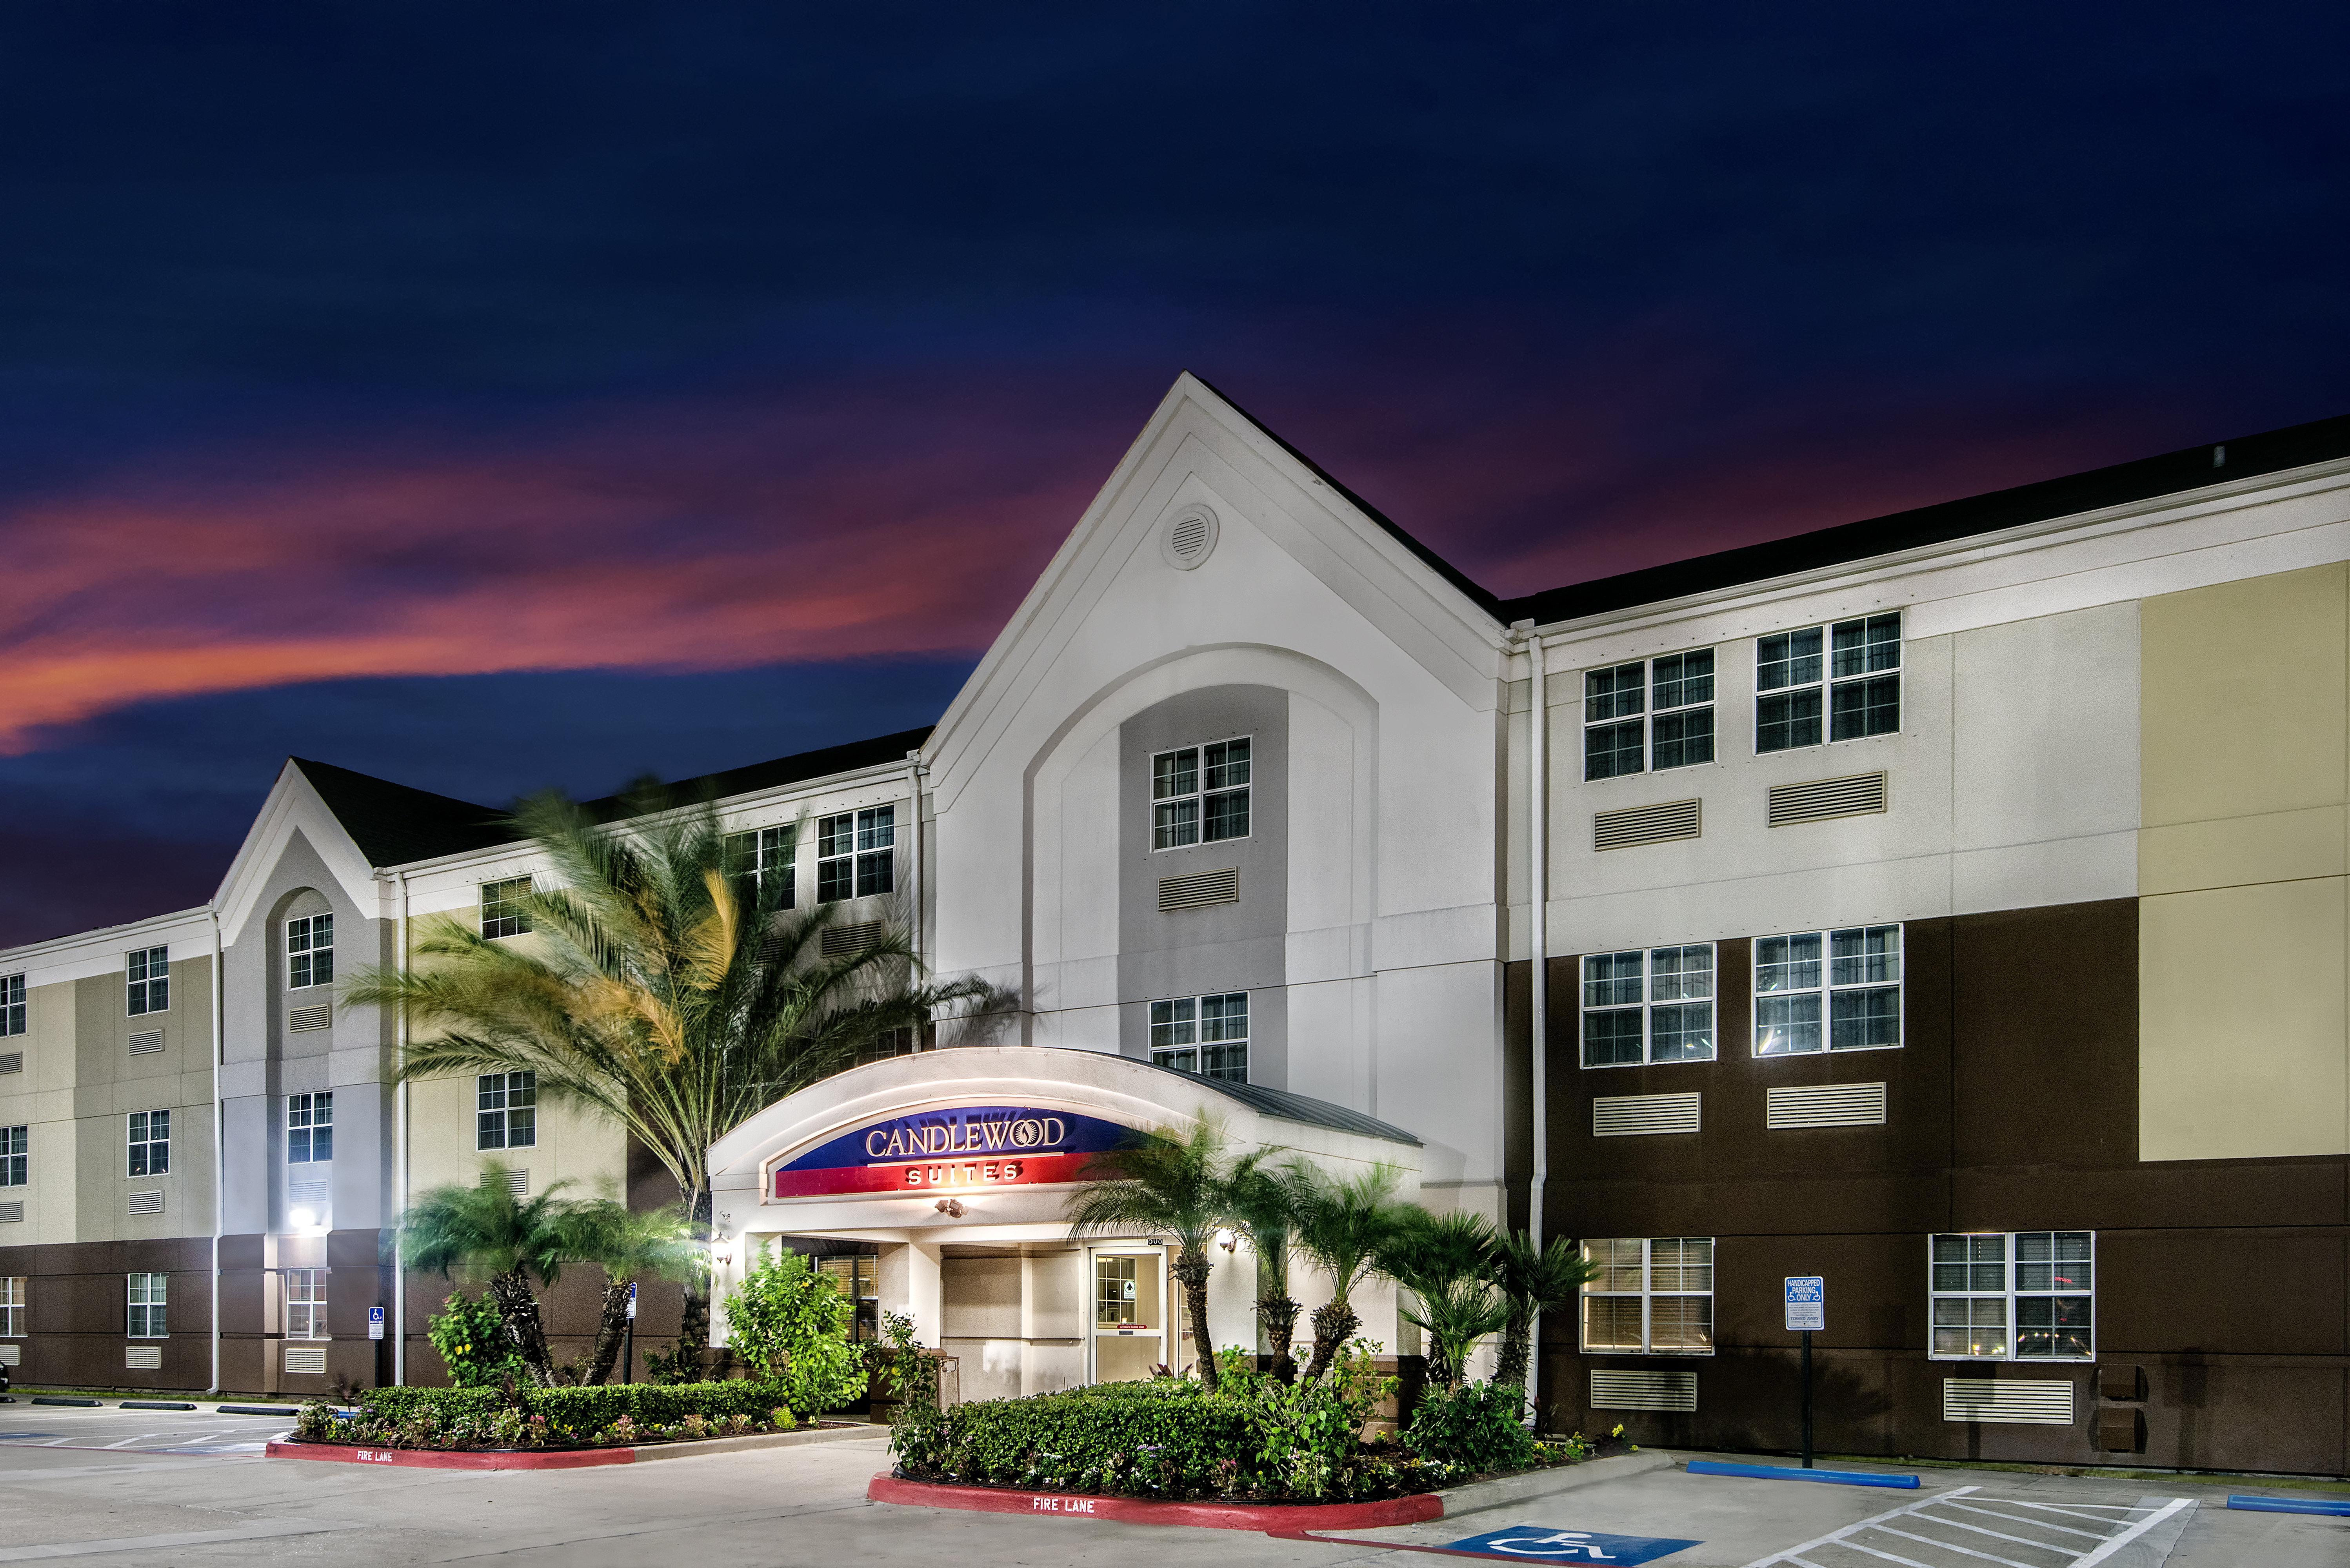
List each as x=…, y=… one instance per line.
x=1807, y=1312
x=629, y=1352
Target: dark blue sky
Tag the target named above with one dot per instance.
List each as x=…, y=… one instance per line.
x=493, y=396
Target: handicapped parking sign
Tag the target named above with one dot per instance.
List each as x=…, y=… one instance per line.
x=1540, y=1543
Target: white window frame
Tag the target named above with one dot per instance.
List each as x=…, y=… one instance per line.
x=1654, y=992
x=309, y=951
x=16, y=1154
x=2012, y=1288
x=13, y=1020
x=1828, y=988
x=306, y=1302
x=140, y=1133
x=762, y=852
x=1607, y=1286
x=148, y=1306
x=512, y=917
x=1648, y=709
x=310, y=1127
x=1207, y=783
x=147, y=981
x=504, y=1109
x=1179, y=1027
x=1842, y=659
x=15, y=1289
x=856, y=854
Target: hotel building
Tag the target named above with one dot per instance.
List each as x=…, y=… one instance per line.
x=1953, y=905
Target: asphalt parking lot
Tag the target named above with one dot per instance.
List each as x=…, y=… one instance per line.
x=181, y=1487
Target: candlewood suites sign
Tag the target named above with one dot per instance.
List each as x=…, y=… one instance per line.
x=959, y=1147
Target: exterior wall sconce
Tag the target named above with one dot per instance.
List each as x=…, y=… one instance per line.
x=951, y=1207
x=1228, y=1240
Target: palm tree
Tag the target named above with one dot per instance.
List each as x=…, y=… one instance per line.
x=628, y=1246
x=1532, y=1282
x=1261, y=1209
x=1175, y=1180
x=1444, y=1262
x=1341, y=1227
x=659, y=987
x=511, y=1239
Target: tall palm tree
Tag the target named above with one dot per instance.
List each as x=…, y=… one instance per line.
x=1532, y=1282
x=1445, y=1264
x=659, y=987
x=1341, y=1227
x=1261, y=1210
x=628, y=1246
x=1176, y=1180
x=511, y=1238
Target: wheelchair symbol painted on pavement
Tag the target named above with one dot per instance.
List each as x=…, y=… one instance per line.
x=1542, y=1543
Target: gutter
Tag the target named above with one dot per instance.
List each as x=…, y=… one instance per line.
x=1538, y=948
x=220, y=1139
x=400, y=1163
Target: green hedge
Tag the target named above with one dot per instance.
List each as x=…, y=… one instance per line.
x=582, y=1410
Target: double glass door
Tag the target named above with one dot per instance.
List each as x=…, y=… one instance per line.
x=1130, y=1333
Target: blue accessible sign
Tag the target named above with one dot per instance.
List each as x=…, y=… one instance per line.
x=1541, y=1543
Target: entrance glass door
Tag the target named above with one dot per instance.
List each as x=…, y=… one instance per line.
x=1129, y=1315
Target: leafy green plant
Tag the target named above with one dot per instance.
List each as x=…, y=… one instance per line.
x=558, y=1418
x=470, y=1334
x=791, y=1323
x=1476, y=1428
x=910, y=1372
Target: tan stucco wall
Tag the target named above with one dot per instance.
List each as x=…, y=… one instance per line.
x=2244, y=914
x=586, y=1149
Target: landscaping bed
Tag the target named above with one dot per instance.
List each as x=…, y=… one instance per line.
x=553, y=1427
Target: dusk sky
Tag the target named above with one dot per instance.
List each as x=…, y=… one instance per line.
x=499, y=397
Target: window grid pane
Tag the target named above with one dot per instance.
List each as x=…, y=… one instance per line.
x=1837, y=990
x=15, y=1156
x=1202, y=1034
x=505, y=910
x=147, y=981
x=1649, y=1296
x=1200, y=794
x=12, y=1005
x=12, y=1289
x=2025, y=1296
x=309, y=951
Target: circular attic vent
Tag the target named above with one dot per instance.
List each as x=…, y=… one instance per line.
x=1189, y=538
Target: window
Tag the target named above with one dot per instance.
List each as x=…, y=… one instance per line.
x=15, y=1156
x=151, y=1143
x=887, y=1043
x=147, y=1306
x=1654, y=713
x=1648, y=1005
x=311, y=950
x=305, y=1304
x=506, y=1110
x=855, y=854
x=1200, y=794
x=768, y=857
x=12, y=1004
x=12, y=1305
x=1202, y=1034
x=858, y=1281
x=2023, y=1295
x=1859, y=684
x=147, y=972
x=1857, y=992
x=310, y=1129
x=506, y=906
x=1649, y=1296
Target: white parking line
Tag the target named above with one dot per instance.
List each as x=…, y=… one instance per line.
x=1877, y=1536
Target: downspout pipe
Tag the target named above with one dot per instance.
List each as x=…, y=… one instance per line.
x=1538, y=951
x=399, y=1158
x=219, y=1139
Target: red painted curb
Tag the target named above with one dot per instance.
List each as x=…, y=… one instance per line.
x=435, y=1459
x=1273, y=1518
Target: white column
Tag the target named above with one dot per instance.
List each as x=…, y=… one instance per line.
x=1232, y=1298
x=908, y=1283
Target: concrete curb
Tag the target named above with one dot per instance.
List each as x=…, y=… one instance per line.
x=1269, y=1519
x=1502, y=1492
x=562, y=1458
x=709, y=1446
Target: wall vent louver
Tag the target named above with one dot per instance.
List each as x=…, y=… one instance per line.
x=1644, y=1115
x=1822, y=800
x=142, y=1359
x=12, y=1213
x=146, y=1042
x=11, y=1355
x=1198, y=892
x=312, y=1185
x=1826, y=1106
x=12, y=1062
x=1637, y=825
x=1641, y=1388
x=2008, y=1401
x=305, y=1358
x=304, y=1018
x=147, y=1202
x=517, y=1180
x=847, y=941
x=1188, y=539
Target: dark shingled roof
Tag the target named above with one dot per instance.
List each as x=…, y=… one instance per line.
x=394, y=825
x=1289, y=1108
x=2147, y=479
